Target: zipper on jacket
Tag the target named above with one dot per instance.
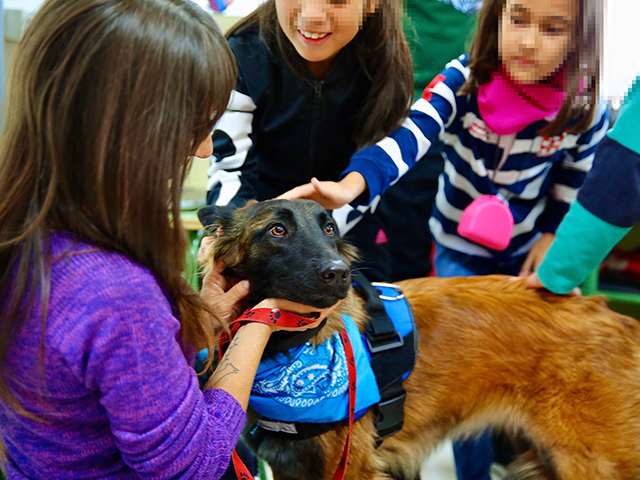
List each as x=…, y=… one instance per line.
x=317, y=95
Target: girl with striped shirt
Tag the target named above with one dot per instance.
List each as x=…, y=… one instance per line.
x=519, y=119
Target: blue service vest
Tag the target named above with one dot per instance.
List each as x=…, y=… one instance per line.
x=311, y=384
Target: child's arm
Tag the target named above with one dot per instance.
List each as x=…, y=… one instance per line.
x=607, y=206
x=568, y=175
x=381, y=165
x=130, y=358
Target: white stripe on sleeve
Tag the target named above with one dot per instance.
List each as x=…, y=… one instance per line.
x=391, y=148
x=564, y=193
x=229, y=185
x=422, y=141
x=445, y=92
x=240, y=102
x=421, y=105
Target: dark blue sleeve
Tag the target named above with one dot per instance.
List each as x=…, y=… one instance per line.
x=611, y=190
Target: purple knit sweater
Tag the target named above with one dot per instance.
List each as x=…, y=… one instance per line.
x=118, y=398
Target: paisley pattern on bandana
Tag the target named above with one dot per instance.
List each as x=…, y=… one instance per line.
x=310, y=384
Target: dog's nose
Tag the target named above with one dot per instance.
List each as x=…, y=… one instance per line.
x=335, y=273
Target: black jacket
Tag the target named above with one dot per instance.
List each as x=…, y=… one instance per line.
x=280, y=130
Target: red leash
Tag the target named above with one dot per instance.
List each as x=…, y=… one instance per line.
x=351, y=365
x=289, y=320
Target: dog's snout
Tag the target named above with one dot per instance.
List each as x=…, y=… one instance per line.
x=335, y=273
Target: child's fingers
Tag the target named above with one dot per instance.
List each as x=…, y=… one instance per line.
x=317, y=185
x=527, y=266
x=303, y=191
x=532, y=281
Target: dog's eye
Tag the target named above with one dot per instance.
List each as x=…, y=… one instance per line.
x=329, y=229
x=277, y=230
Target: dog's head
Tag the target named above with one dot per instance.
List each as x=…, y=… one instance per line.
x=286, y=249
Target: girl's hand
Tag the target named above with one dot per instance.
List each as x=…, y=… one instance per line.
x=532, y=281
x=331, y=195
x=237, y=369
x=536, y=255
x=224, y=298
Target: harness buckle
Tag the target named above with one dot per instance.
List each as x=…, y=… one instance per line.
x=381, y=344
x=396, y=288
x=391, y=415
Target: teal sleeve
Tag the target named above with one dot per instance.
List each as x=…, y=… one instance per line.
x=582, y=241
x=625, y=131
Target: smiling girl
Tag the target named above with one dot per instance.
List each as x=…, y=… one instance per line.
x=318, y=80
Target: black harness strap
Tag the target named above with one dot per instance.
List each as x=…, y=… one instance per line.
x=392, y=357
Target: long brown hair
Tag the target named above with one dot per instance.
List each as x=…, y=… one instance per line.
x=108, y=99
x=382, y=52
x=582, y=63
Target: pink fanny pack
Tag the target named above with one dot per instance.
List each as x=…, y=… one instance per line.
x=487, y=221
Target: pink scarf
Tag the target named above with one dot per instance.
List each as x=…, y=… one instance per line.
x=507, y=106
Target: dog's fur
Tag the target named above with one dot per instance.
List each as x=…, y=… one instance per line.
x=562, y=371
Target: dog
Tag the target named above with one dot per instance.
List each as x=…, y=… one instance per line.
x=564, y=372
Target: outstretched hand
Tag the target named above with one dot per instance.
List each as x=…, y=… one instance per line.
x=331, y=195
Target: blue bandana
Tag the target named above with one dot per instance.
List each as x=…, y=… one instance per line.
x=313, y=386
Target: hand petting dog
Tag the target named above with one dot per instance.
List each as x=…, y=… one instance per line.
x=331, y=195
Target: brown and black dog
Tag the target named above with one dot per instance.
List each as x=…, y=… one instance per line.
x=562, y=371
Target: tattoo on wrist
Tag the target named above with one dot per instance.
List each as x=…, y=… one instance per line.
x=226, y=366
x=225, y=369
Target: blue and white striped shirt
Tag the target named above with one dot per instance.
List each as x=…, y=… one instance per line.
x=539, y=175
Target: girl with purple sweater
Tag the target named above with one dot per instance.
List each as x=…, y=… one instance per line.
x=98, y=331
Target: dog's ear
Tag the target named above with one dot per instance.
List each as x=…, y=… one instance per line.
x=213, y=216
